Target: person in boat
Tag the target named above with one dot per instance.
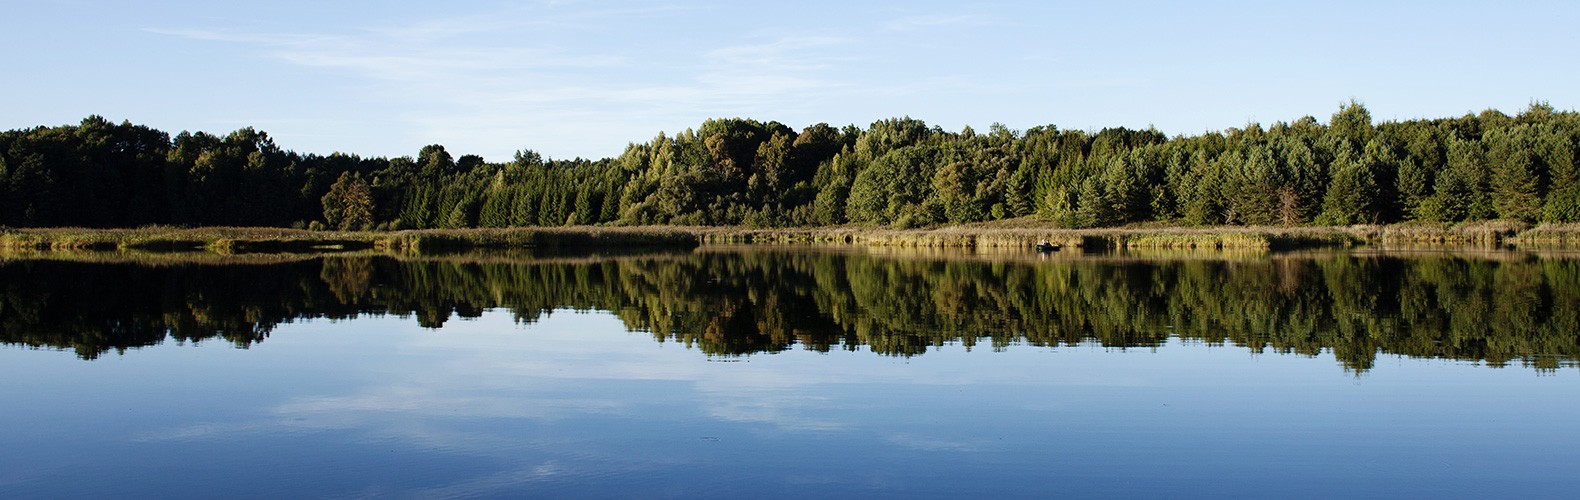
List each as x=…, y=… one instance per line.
x=1046, y=246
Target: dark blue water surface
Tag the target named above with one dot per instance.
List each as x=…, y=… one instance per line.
x=737, y=374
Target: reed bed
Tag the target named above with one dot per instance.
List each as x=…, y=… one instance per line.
x=583, y=237
x=161, y=238
x=1012, y=235
x=160, y=258
x=987, y=237
x=1549, y=235
x=234, y=240
x=1482, y=233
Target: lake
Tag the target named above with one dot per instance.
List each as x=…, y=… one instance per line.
x=734, y=372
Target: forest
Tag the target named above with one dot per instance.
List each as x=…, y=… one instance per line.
x=895, y=173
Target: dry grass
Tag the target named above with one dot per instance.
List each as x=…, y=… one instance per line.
x=1549, y=235
x=1013, y=234
x=1486, y=233
x=162, y=238
x=1024, y=236
x=230, y=240
x=591, y=237
x=158, y=258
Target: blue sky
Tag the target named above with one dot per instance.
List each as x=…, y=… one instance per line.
x=584, y=78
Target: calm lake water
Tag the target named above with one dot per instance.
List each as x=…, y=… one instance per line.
x=792, y=372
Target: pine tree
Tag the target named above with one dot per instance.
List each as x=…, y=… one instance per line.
x=1352, y=194
x=1563, y=196
x=1516, y=176
x=1094, y=208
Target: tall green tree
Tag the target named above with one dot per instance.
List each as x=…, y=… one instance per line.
x=1517, y=178
x=1352, y=194
x=1559, y=151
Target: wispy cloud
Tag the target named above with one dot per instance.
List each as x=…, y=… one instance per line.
x=398, y=55
x=789, y=68
x=215, y=36
x=783, y=54
x=571, y=80
x=928, y=22
x=474, y=80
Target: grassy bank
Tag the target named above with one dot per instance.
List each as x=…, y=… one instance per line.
x=1016, y=234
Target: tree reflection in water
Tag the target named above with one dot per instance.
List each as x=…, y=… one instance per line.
x=1493, y=308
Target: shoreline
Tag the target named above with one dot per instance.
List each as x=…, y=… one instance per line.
x=1014, y=234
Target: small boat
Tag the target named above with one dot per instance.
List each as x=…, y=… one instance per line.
x=1046, y=247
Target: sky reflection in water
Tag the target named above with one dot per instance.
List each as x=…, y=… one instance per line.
x=576, y=406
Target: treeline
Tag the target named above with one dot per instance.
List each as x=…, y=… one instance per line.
x=896, y=172
x=1518, y=311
